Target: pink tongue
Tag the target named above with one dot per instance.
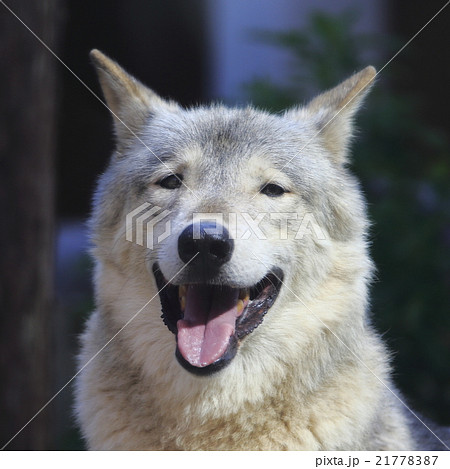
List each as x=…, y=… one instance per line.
x=208, y=323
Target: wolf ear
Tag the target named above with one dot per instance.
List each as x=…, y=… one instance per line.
x=333, y=111
x=130, y=102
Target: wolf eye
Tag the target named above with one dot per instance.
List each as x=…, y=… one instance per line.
x=171, y=182
x=272, y=190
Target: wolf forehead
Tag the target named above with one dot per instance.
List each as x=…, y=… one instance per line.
x=224, y=133
x=226, y=138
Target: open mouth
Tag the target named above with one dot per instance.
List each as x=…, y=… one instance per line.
x=210, y=320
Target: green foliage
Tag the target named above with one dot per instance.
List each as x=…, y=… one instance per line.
x=322, y=53
x=404, y=167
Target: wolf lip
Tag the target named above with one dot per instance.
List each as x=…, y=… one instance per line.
x=210, y=320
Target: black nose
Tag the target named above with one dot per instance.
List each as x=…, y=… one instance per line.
x=208, y=242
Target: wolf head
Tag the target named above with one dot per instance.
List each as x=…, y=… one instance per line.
x=241, y=227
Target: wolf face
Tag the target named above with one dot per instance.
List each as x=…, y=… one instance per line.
x=255, y=205
x=231, y=278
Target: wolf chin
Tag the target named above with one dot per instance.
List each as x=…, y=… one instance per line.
x=216, y=341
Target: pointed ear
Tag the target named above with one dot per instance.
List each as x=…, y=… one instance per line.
x=333, y=111
x=130, y=102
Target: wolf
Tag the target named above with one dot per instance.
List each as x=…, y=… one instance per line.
x=238, y=325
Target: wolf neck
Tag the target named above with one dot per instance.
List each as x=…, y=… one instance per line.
x=250, y=381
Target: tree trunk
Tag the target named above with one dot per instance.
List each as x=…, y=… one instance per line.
x=27, y=139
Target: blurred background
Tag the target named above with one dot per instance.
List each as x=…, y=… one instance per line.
x=55, y=139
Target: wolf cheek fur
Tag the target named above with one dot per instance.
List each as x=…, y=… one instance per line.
x=277, y=326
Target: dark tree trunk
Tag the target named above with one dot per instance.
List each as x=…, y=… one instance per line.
x=27, y=137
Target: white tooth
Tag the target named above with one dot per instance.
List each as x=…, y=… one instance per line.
x=182, y=289
x=240, y=306
x=182, y=302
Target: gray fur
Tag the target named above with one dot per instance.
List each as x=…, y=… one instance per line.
x=314, y=375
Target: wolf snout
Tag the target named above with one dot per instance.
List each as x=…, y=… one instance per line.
x=205, y=243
